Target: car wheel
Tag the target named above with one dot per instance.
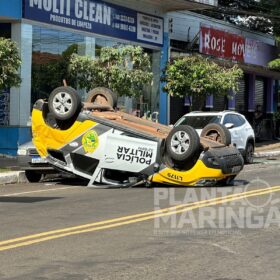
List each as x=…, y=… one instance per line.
x=249, y=153
x=32, y=176
x=109, y=95
x=182, y=143
x=64, y=103
x=217, y=132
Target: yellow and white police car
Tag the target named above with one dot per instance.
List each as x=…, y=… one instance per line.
x=110, y=148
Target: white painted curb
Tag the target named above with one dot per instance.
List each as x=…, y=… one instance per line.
x=267, y=154
x=12, y=177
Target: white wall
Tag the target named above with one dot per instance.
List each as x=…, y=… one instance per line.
x=185, y=23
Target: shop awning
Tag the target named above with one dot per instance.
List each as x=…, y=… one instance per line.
x=177, y=5
x=250, y=68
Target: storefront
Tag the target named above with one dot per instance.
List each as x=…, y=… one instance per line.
x=227, y=45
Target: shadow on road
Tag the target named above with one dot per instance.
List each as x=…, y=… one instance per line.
x=12, y=199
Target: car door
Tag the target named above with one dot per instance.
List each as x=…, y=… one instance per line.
x=237, y=137
x=239, y=132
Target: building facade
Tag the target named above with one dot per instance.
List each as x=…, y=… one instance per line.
x=227, y=45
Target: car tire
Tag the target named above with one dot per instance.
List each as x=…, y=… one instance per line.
x=109, y=95
x=249, y=153
x=217, y=132
x=32, y=176
x=182, y=143
x=64, y=103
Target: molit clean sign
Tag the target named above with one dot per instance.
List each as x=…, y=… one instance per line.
x=97, y=17
x=84, y=10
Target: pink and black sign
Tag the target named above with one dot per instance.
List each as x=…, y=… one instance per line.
x=231, y=46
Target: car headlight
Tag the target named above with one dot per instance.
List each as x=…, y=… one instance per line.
x=22, y=152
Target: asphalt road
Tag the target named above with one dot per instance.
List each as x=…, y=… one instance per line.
x=61, y=230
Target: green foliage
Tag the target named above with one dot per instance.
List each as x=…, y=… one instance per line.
x=274, y=64
x=125, y=70
x=276, y=116
x=198, y=77
x=9, y=64
x=264, y=14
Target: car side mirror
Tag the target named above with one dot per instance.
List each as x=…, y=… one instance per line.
x=229, y=125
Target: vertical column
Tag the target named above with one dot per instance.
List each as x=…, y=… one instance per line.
x=276, y=98
x=21, y=97
x=154, y=96
x=86, y=48
x=209, y=101
x=231, y=101
x=269, y=95
x=188, y=101
x=251, y=92
x=164, y=98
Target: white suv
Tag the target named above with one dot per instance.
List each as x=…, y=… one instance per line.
x=242, y=134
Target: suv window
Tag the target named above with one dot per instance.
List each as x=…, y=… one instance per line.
x=242, y=121
x=199, y=122
x=235, y=119
x=228, y=119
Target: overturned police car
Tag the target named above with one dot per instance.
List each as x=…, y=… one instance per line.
x=110, y=148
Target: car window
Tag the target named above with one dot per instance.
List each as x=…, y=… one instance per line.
x=198, y=122
x=228, y=119
x=242, y=121
x=235, y=119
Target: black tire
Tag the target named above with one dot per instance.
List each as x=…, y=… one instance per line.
x=110, y=96
x=64, y=103
x=249, y=153
x=182, y=143
x=32, y=176
x=217, y=132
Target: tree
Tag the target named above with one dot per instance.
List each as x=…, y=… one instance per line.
x=9, y=64
x=274, y=64
x=195, y=76
x=125, y=70
x=262, y=16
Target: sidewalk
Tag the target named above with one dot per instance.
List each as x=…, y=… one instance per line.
x=267, y=149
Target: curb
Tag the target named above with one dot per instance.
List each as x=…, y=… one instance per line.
x=267, y=154
x=12, y=177
x=7, y=156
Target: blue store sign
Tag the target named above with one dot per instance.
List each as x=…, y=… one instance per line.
x=98, y=17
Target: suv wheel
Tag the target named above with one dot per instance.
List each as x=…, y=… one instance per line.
x=249, y=153
x=182, y=143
